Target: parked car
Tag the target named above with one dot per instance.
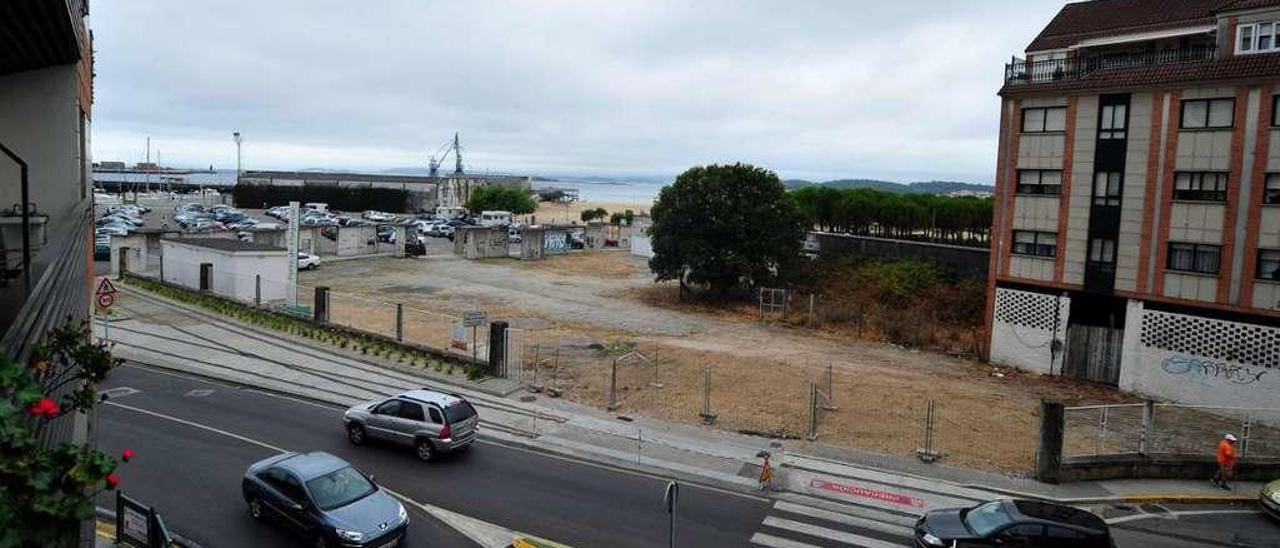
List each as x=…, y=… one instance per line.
x=324, y=499
x=429, y=421
x=307, y=261
x=378, y=216
x=1013, y=524
x=513, y=236
x=386, y=233
x=1269, y=499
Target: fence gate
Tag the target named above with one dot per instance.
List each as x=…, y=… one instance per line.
x=512, y=366
x=1093, y=353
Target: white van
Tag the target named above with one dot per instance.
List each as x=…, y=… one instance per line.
x=495, y=218
x=317, y=206
x=447, y=213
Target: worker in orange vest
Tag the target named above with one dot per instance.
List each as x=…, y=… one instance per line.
x=1226, y=461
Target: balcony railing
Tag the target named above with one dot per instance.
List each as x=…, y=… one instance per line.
x=1057, y=70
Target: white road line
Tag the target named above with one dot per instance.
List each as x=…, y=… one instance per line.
x=829, y=534
x=198, y=425
x=891, y=524
x=479, y=531
x=1175, y=515
x=761, y=539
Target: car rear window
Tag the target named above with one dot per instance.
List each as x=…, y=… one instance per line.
x=459, y=412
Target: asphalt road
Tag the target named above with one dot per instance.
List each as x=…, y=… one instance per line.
x=193, y=475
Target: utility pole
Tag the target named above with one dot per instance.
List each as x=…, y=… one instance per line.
x=238, y=140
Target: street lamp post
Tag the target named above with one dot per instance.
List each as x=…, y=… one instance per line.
x=238, y=140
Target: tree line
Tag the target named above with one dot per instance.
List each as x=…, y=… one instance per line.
x=963, y=220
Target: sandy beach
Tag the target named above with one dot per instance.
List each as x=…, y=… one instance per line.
x=557, y=213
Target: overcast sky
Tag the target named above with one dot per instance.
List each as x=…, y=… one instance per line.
x=894, y=90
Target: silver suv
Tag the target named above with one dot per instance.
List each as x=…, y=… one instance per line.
x=432, y=422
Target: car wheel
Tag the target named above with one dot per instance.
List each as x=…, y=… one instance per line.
x=355, y=433
x=255, y=508
x=424, y=450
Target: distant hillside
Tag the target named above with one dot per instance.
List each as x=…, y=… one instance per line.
x=926, y=187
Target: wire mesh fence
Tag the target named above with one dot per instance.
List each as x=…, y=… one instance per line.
x=1171, y=429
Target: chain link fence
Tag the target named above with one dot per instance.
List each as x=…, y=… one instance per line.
x=1169, y=429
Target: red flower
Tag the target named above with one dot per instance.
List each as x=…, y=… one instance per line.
x=127, y=454
x=44, y=407
x=112, y=481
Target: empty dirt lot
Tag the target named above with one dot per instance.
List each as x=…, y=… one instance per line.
x=580, y=311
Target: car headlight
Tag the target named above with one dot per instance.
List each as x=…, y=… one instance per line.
x=931, y=540
x=354, y=536
x=404, y=515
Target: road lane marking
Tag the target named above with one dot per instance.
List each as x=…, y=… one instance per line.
x=761, y=539
x=892, y=524
x=1177, y=514
x=198, y=425
x=482, y=532
x=829, y=534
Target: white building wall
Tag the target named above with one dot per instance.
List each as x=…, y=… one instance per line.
x=1200, y=361
x=640, y=243
x=1024, y=328
x=235, y=274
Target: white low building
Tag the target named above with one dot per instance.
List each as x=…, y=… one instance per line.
x=243, y=271
x=640, y=243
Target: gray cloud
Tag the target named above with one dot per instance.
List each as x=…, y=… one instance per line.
x=900, y=90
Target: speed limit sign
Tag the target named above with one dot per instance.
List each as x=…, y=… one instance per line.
x=105, y=300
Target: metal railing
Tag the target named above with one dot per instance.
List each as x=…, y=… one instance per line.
x=1169, y=429
x=1020, y=71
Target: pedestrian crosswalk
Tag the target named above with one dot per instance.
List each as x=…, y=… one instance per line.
x=793, y=525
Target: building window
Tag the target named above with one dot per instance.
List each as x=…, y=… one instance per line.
x=1201, y=258
x=1036, y=244
x=1102, y=251
x=1257, y=37
x=1269, y=264
x=1044, y=120
x=1039, y=182
x=1106, y=188
x=1114, y=120
x=1200, y=186
x=1271, y=194
x=1208, y=113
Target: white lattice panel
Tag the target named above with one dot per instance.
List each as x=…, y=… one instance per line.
x=1027, y=309
x=1242, y=343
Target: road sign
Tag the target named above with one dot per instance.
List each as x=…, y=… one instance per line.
x=105, y=287
x=474, y=318
x=105, y=300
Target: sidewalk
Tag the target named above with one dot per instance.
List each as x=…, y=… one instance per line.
x=233, y=352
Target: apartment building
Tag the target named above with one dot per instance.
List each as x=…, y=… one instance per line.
x=46, y=205
x=1137, y=229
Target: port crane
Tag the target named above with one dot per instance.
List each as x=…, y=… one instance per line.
x=433, y=164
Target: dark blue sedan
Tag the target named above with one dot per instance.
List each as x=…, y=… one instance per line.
x=324, y=499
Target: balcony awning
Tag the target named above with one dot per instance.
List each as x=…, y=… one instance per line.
x=39, y=33
x=1143, y=36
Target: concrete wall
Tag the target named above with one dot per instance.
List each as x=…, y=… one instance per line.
x=967, y=262
x=40, y=121
x=1202, y=361
x=481, y=242
x=641, y=245
x=1024, y=329
x=234, y=273
x=357, y=240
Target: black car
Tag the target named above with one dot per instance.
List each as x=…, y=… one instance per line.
x=324, y=499
x=1012, y=524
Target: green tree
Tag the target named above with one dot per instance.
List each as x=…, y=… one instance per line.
x=500, y=198
x=589, y=215
x=724, y=225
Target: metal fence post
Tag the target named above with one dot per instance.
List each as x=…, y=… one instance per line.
x=1244, y=434
x=535, y=387
x=613, y=387
x=399, y=322
x=321, y=312
x=1102, y=430
x=257, y=289
x=655, y=383
x=1148, y=416
x=812, y=430
x=707, y=416
x=831, y=390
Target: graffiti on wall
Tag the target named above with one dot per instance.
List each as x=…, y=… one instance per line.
x=556, y=241
x=1203, y=370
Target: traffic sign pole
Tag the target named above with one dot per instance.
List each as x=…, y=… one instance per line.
x=669, y=499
